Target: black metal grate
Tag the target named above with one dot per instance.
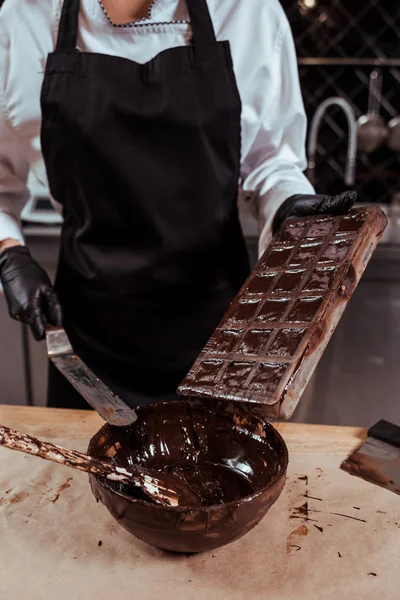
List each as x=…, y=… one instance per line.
x=356, y=29
x=342, y=28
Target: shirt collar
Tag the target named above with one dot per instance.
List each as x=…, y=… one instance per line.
x=159, y=11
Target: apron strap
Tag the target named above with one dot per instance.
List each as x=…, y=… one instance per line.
x=68, y=27
x=202, y=26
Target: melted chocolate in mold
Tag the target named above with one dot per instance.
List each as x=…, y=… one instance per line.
x=290, y=234
x=273, y=309
x=236, y=373
x=336, y=251
x=277, y=257
x=289, y=281
x=320, y=228
x=320, y=280
x=305, y=310
x=226, y=340
x=261, y=283
x=245, y=310
x=286, y=342
x=306, y=253
x=255, y=341
x=209, y=370
x=268, y=377
x=351, y=223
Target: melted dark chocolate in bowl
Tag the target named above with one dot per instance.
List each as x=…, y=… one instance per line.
x=209, y=458
x=215, y=484
x=201, y=484
x=231, y=461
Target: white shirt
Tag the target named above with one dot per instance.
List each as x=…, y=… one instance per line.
x=273, y=118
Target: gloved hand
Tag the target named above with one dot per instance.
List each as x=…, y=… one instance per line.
x=28, y=291
x=303, y=205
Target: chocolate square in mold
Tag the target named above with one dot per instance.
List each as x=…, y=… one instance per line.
x=273, y=309
x=245, y=310
x=236, y=372
x=226, y=340
x=320, y=280
x=289, y=280
x=208, y=370
x=292, y=233
x=278, y=256
x=306, y=253
x=321, y=227
x=286, y=342
x=337, y=250
x=351, y=223
x=261, y=283
x=268, y=377
x=305, y=309
x=255, y=341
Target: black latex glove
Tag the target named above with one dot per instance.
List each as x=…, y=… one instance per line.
x=303, y=205
x=28, y=291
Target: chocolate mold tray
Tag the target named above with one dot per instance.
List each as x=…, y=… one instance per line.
x=270, y=340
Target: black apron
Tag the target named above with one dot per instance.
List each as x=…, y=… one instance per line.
x=145, y=162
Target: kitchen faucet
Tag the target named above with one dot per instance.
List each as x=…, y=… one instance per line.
x=350, y=169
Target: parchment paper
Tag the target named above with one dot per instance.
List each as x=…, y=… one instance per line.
x=330, y=536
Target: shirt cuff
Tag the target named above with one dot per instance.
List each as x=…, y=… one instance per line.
x=10, y=229
x=270, y=203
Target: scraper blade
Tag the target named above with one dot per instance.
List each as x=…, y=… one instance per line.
x=377, y=460
x=109, y=406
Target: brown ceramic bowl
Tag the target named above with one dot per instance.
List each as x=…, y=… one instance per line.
x=225, y=433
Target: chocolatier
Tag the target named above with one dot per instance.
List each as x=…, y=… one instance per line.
x=141, y=117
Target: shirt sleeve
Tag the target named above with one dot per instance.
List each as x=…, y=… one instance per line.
x=272, y=169
x=14, y=170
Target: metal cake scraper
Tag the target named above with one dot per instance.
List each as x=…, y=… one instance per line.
x=377, y=460
x=109, y=406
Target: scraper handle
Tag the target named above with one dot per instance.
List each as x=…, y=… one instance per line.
x=386, y=432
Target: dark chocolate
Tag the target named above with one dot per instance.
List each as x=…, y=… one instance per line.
x=233, y=459
x=285, y=313
x=289, y=281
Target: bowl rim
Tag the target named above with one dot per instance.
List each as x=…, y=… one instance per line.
x=213, y=507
